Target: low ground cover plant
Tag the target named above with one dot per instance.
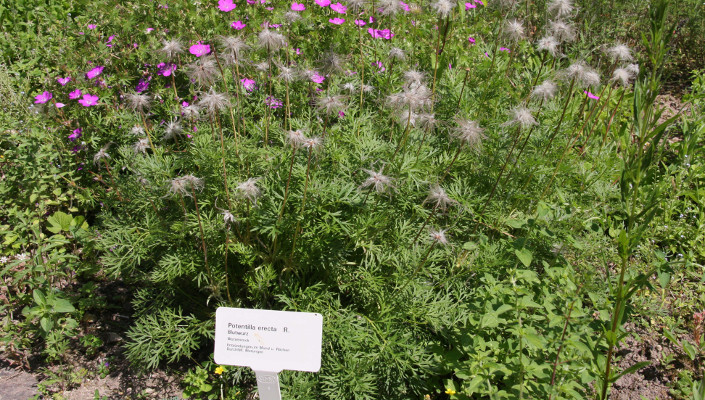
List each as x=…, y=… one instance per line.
x=474, y=195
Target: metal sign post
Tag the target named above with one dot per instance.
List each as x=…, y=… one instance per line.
x=268, y=341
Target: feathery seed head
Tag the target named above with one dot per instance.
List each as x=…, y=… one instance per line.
x=439, y=236
x=356, y=5
x=101, y=154
x=330, y=104
x=521, y=116
x=405, y=116
x=137, y=130
x=228, y=217
x=397, y=54
x=350, y=87
x=413, y=77
x=545, y=91
x=172, y=129
x=138, y=101
x=183, y=185
x=262, y=66
x=583, y=74
x=620, y=52
x=622, y=76
x=270, y=40
x=332, y=63
x=439, y=198
x=427, y=122
x=443, y=7
x=377, y=181
x=213, y=101
x=191, y=111
x=548, y=44
x=514, y=29
x=172, y=48
x=367, y=88
x=562, y=31
x=634, y=69
x=561, y=8
x=295, y=138
x=249, y=190
x=141, y=146
x=468, y=132
x=287, y=74
x=291, y=17
x=313, y=144
x=233, y=45
x=389, y=7
x=202, y=70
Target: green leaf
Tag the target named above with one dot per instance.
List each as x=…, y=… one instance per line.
x=670, y=336
x=63, y=306
x=39, y=297
x=631, y=369
x=525, y=256
x=46, y=324
x=59, y=221
x=690, y=350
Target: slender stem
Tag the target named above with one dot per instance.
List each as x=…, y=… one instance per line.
x=227, y=282
x=465, y=80
x=560, y=347
x=416, y=271
x=457, y=153
x=303, y=205
x=203, y=239
x=402, y=141
x=112, y=179
x=609, y=124
x=433, y=212
x=225, y=170
x=558, y=126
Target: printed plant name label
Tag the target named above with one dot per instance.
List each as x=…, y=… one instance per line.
x=268, y=340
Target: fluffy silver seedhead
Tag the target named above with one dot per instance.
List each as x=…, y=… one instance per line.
x=137, y=130
x=633, y=68
x=405, y=116
x=413, y=78
x=313, y=144
x=233, y=45
x=213, y=101
x=438, y=236
x=295, y=138
x=203, y=70
x=439, y=198
x=584, y=75
x=367, y=88
x=514, y=29
x=262, y=66
x=272, y=41
x=548, y=44
x=443, y=7
x=416, y=97
x=350, y=87
x=228, y=217
x=521, y=116
x=138, y=101
x=290, y=17
x=622, y=76
x=562, y=31
x=249, y=190
x=397, y=54
x=356, y=5
x=191, y=111
x=427, y=122
x=172, y=129
x=377, y=181
x=287, y=74
x=172, y=48
x=620, y=52
x=468, y=132
x=184, y=185
x=141, y=146
x=504, y=4
x=389, y=7
x=545, y=91
x=330, y=104
x=101, y=154
x=561, y=8
x=332, y=63
x=590, y=78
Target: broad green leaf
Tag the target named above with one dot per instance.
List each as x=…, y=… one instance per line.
x=63, y=306
x=524, y=255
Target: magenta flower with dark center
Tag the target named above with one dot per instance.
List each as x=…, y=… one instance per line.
x=249, y=84
x=339, y=8
x=317, y=78
x=166, y=69
x=505, y=49
x=94, y=72
x=143, y=84
x=63, y=81
x=297, y=6
x=323, y=3
x=380, y=33
x=404, y=6
x=238, y=25
x=379, y=65
x=199, y=49
x=336, y=21
x=92, y=26
x=360, y=22
x=76, y=134
x=471, y=40
x=59, y=105
x=273, y=103
x=43, y=98
x=75, y=94
x=110, y=40
x=469, y=6
x=88, y=100
x=226, y=5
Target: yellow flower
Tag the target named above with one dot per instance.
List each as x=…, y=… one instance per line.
x=427, y=397
x=219, y=370
x=450, y=392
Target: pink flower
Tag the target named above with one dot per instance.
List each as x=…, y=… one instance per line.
x=248, y=84
x=166, y=69
x=336, y=21
x=591, y=96
x=298, y=51
x=479, y=2
x=404, y=6
x=43, y=98
x=94, y=72
x=199, y=49
x=92, y=26
x=75, y=94
x=297, y=6
x=380, y=67
x=273, y=103
x=238, y=25
x=143, y=85
x=381, y=33
x=360, y=22
x=150, y=30
x=110, y=40
x=450, y=65
x=59, y=105
x=341, y=114
x=339, y=8
x=226, y=5
x=63, y=81
x=323, y=3
x=505, y=49
x=469, y=6
x=76, y=134
x=471, y=40
x=88, y=100
x=317, y=78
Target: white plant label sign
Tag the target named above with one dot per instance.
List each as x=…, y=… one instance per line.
x=268, y=341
